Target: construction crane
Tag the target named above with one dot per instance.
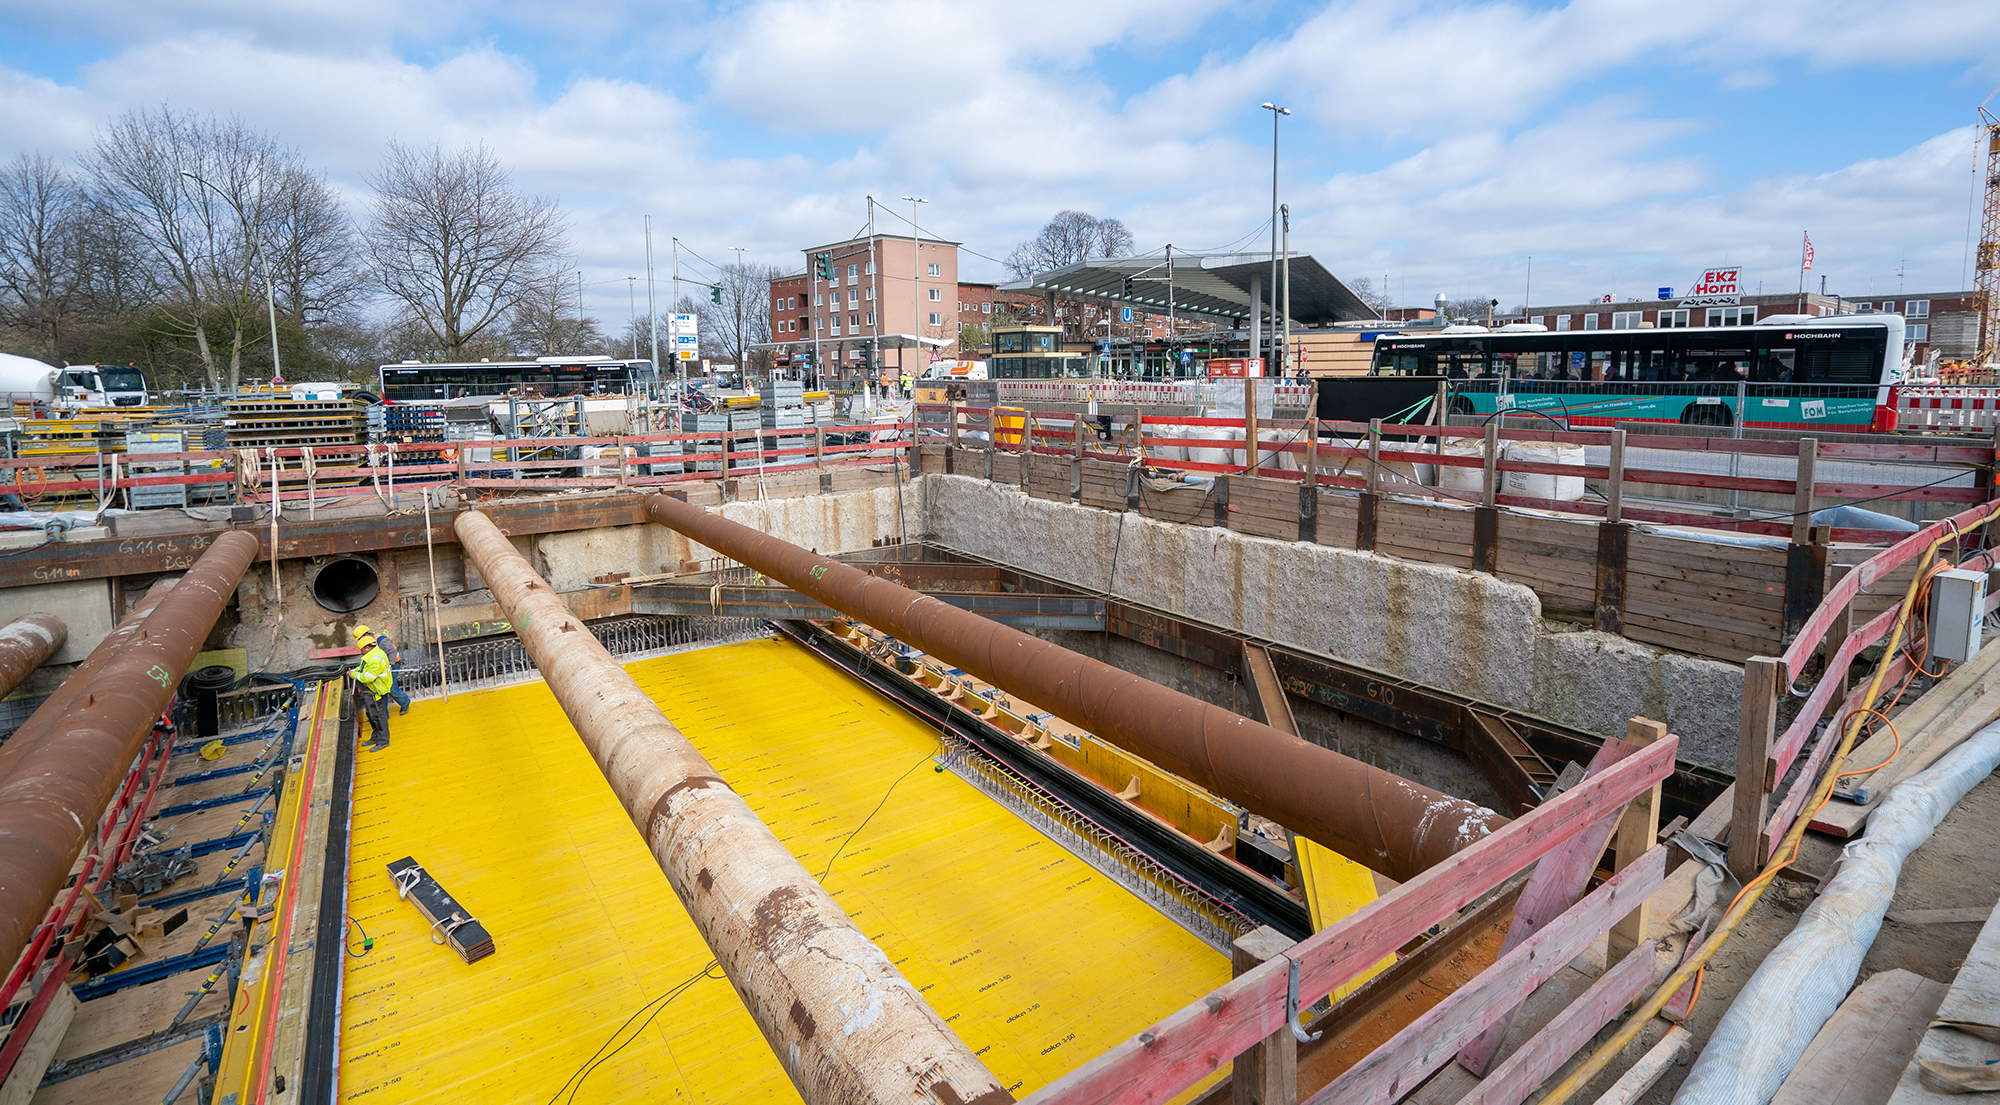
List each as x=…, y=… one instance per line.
x=1987, y=271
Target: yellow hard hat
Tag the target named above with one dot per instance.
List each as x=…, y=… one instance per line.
x=361, y=631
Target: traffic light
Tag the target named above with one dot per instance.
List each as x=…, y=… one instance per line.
x=824, y=263
x=1128, y=285
x=715, y=293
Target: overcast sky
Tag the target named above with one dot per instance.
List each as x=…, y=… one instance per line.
x=1623, y=144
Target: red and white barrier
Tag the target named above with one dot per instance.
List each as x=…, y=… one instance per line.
x=1932, y=406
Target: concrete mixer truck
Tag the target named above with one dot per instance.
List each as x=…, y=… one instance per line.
x=76, y=387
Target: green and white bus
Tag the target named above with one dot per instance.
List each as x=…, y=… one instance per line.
x=1788, y=372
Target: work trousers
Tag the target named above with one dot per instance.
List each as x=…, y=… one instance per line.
x=376, y=710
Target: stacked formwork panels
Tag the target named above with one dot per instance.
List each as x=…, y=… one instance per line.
x=782, y=406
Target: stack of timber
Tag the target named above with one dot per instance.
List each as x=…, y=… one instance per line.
x=280, y=421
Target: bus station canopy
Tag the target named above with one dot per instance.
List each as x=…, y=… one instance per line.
x=1212, y=284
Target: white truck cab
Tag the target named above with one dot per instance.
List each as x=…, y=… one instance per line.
x=83, y=386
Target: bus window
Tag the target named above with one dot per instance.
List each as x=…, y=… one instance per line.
x=1850, y=365
x=1777, y=366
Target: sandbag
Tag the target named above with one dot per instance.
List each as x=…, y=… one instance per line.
x=1540, y=485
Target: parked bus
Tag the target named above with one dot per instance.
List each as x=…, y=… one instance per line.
x=1785, y=373
x=547, y=376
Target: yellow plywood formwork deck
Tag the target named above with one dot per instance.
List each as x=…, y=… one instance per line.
x=1038, y=961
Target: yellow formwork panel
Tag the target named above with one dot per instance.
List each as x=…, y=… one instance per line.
x=1038, y=961
x=1336, y=886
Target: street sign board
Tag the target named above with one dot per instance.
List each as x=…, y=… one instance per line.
x=1125, y=314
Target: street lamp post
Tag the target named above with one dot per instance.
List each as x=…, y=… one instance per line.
x=916, y=279
x=1275, y=111
x=736, y=312
x=270, y=297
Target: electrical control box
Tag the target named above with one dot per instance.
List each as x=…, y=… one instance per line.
x=1958, y=606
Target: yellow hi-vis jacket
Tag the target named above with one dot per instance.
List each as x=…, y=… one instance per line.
x=374, y=671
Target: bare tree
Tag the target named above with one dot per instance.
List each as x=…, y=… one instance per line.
x=743, y=317
x=548, y=321
x=311, y=246
x=1474, y=309
x=44, y=265
x=195, y=196
x=1377, y=300
x=1070, y=237
x=454, y=243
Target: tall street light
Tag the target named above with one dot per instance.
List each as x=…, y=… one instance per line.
x=1275, y=111
x=736, y=311
x=270, y=298
x=916, y=279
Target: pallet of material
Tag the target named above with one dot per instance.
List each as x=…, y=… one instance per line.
x=451, y=923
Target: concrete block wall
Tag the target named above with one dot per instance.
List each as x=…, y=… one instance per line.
x=1465, y=632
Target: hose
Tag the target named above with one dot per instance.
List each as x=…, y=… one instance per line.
x=1787, y=849
x=1797, y=988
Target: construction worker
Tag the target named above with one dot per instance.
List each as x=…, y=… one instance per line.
x=376, y=681
x=909, y=385
x=397, y=694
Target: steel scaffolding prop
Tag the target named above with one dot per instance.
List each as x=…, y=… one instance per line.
x=1369, y=815
x=787, y=947
x=54, y=793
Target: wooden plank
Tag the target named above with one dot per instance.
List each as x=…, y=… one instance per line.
x=1722, y=646
x=1182, y=1048
x=1974, y=999
x=1559, y=880
x=1546, y=1051
x=1846, y=818
x=26, y=1076
x=1638, y=831
x=1432, y=1039
x=1645, y=1073
x=1973, y=914
x=1753, y=747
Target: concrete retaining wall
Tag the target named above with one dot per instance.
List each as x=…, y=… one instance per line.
x=571, y=561
x=1461, y=631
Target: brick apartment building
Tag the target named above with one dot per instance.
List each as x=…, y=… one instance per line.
x=884, y=292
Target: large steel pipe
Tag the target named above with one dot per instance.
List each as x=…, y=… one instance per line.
x=26, y=643
x=53, y=713
x=844, y=1023
x=1369, y=815
x=58, y=788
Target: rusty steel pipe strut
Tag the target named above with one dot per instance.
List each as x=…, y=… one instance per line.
x=843, y=1022
x=51, y=800
x=49, y=717
x=26, y=643
x=1371, y=816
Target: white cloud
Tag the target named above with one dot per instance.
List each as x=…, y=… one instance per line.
x=791, y=111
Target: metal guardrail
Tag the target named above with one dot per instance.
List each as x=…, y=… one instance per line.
x=505, y=660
